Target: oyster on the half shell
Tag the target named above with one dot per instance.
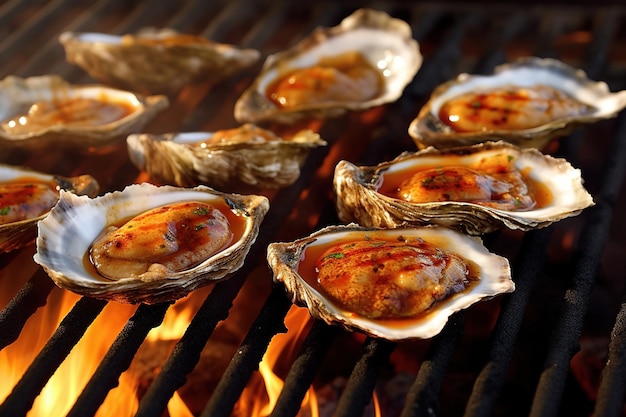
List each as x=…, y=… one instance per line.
x=477, y=189
x=155, y=61
x=48, y=112
x=26, y=196
x=397, y=284
x=146, y=243
x=528, y=102
x=229, y=159
x=365, y=61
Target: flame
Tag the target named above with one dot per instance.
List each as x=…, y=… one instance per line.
x=64, y=387
x=260, y=396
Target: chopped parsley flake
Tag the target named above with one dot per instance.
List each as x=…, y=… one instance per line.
x=4, y=211
x=200, y=211
x=199, y=226
x=335, y=255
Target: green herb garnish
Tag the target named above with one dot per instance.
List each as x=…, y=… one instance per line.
x=4, y=210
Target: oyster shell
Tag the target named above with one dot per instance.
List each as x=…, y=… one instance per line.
x=129, y=61
x=378, y=55
x=21, y=229
x=66, y=237
x=542, y=189
x=46, y=111
x=294, y=263
x=233, y=159
x=557, y=98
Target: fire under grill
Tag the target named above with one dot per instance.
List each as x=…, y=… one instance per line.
x=554, y=347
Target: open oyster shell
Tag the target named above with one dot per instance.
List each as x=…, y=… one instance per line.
x=75, y=222
x=129, y=61
x=75, y=126
x=385, y=42
x=17, y=234
x=358, y=198
x=494, y=277
x=244, y=157
x=427, y=129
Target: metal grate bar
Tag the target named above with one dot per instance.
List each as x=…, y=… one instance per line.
x=118, y=358
x=594, y=235
x=15, y=315
x=51, y=356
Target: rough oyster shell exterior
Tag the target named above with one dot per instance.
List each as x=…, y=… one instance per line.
x=232, y=166
x=428, y=130
x=129, y=62
x=357, y=198
x=18, y=94
x=386, y=42
x=72, y=225
x=494, y=279
x=18, y=234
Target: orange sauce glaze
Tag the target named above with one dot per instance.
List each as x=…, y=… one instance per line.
x=391, y=181
x=20, y=192
x=237, y=224
x=307, y=269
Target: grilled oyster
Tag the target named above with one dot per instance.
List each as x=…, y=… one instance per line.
x=47, y=112
x=146, y=243
x=233, y=159
x=477, y=189
x=129, y=61
x=364, y=62
x=26, y=196
x=395, y=284
x=528, y=103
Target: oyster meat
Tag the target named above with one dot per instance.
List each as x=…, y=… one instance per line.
x=147, y=243
x=528, y=103
x=365, y=61
x=129, y=61
x=396, y=284
x=238, y=159
x=477, y=189
x=47, y=112
x=26, y=196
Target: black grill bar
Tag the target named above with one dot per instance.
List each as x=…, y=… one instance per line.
x=455, y=37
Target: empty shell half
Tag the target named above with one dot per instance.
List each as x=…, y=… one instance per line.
x=155, y=61
x=365, y=61
x=26, y=196
x=146, y=243
x=47, y=112
x=477, y=189
x=528, y=103
x=247, y=157
x=396, y=284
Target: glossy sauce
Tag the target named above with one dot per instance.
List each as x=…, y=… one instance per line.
x=509, y=108
x=308, y=269
x=344, y=77
x=537, y=194
x=71, y=112
x=169, y=40
x=238, y=135
x=186, y=240
x=25, y=197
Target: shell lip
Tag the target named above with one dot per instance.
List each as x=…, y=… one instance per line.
x=495, y=279
x=75, y=215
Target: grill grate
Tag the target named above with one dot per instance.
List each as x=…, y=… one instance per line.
x=483, y=363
